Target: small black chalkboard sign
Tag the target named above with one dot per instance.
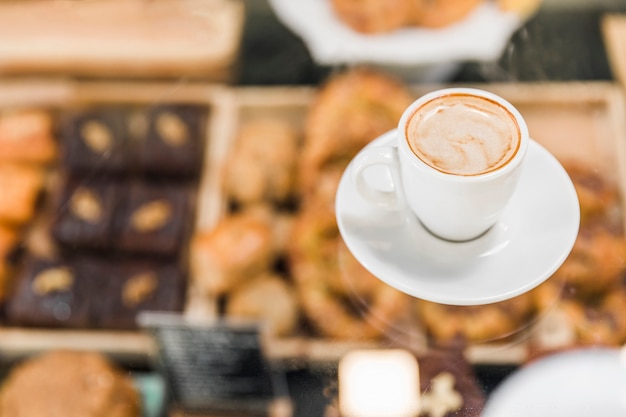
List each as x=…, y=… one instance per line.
x=212, y=367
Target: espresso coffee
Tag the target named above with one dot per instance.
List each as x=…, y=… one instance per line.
x=463, y=134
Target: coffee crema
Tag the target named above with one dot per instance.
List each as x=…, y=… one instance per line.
x=463, y=134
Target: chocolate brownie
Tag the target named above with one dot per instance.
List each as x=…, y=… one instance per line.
x=153, y=219
x=95, y=141
x=126, y=288
x=448, y=385
x=174, y=142
x=85, y=213
x=50, y=293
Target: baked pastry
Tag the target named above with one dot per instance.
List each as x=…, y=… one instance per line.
x=440, y=13
x=280, y=223
x=325, y=189
x=574, y=321
x=523, y=8
x=50, y=294
x=597, y=261
x=21, y=186
x=373, y=16
x=350, y=110
x=69, y=384
x=262, y=165
x=153, y=218
x=238, y=248
x=599, y=321
x=174, y=141
x=85, y=213
x=381, y=16
x=481, y=323
x=126, y=287
x=583, y=302
x=596, y=195
x=338, y=296
x=26, y=136
x=96, y=140
x=268, y=299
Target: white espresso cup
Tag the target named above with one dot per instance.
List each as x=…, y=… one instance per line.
x=456, y=163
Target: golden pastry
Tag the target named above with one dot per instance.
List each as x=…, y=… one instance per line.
x=481, y=323
x=279, y=222
x=351, y=109
x=597, y=261
x=339, y=297
x=26, y=136
x=601, y=321
x=263, y=161
x=373, y=16
x=440, y=13
x=20, y=185
x=524, y=8
x=238, y=248
x=269, y=299
x=596, y=195
x=68, y=384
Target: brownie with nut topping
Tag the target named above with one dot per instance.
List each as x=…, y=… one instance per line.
x=174, y=141
x=448, y=384
x=96, y=141
x=128, y=287
x=153, y=218
x=85, y=210
x=50, y=294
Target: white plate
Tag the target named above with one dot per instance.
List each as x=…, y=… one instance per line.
x=532, y=239
x=483, y=35
x=580, y=383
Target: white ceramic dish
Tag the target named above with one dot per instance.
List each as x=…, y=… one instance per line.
x=532, y=239
x=481, y=36
x=581, y=383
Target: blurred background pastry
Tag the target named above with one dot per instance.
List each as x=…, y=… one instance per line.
x=71, y=384
x=440, y=13
x=373, y=16
x=582, y=303
x=26, y=136
x=262, y=164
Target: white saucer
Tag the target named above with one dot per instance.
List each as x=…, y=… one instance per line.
x=582, y=383
x=532, y=239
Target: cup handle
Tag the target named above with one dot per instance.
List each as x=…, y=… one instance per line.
x=386, y=156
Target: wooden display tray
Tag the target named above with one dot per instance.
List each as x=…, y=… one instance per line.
x=56, y=95
x=121, y=38
x=573, y=120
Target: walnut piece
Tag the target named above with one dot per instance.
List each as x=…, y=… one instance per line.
x=53, y=280
x=97, y=136
x=151, y=216
x=172, y=129
x=86, y=205
x=138, y=288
